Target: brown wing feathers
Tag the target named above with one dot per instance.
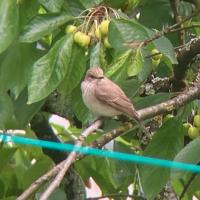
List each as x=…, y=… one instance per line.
x=116, y=98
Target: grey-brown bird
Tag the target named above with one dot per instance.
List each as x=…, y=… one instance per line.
x=105, y=98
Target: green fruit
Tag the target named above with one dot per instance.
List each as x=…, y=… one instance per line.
x=193, y=132
x=187, y=125
x=196, y=120
x=158, y=56
x=167, y=117
x=82, y=39
x=155, y=63
x=71, y=29
x=77, y=36
x=107, y=43
x=98, y=33
x=104, y=27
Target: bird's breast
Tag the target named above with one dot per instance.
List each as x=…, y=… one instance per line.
x=93, y=104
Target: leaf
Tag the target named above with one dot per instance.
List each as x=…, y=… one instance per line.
x=137, y=65
x=6, y=154
x=89, y=3
x=165, y=144
x=23, y=111
x=43, y=25
x=164, y=46
x=48, y=72
x=17, y=57
x=115, y=4
x=79, y=108
x=52, y=5
x=122, y=31
x=75, y=70
x=163, y=14
x=27, y=10
x=142, y=102
x=36, y=170
x=189, y=154
x=7, y=119
x=95, y=55
x=118, y=70
x=9, y=18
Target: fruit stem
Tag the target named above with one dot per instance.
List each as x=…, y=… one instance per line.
x=84, y=22
x=114, y=12
x=89, y=20
x=106, y=11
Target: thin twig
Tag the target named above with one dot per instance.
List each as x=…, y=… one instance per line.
x=46, y=177
x=177, y=17
x=70, y=159
x=161, y=33
x=193, y=176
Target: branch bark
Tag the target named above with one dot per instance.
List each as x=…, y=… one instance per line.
x=184, y=56
x=177, y=17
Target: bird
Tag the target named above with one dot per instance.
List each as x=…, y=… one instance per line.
x=103, y=97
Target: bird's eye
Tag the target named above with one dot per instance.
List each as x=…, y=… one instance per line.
x=91, y=76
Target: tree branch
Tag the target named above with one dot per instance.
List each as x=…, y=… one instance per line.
x=184, y=56
x=46, y=177
x=162, y=33
x=177, y=17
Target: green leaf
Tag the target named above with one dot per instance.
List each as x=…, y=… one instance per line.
x=43, y=25
x=17, y=60
x=27, y=10
x=165, y=144
x=137, y=65
x=142, y=102
x=122, y=31
x=164, y=46
x=189, y=154
x=89, y=3
x=163, y=14
x=118, y=70
x=79, y=108
x=23, y=111
x=75, y=70
x=95, y=55
x=36, y=170
x=6, y=154
x=115, y=4
x=48, y=72
x=52, y=5
x=7, y=118
x=9, y=18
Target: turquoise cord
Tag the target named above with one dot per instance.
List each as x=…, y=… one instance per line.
x=103, y=153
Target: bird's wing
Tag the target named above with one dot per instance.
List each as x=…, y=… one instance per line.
x=111, y=94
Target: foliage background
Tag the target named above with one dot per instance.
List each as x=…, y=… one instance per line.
x=41, y=68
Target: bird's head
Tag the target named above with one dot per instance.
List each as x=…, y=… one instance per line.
x=94, y=73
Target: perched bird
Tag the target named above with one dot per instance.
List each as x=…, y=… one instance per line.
x=105, y=98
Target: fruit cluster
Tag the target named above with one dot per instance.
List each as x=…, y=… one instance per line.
x=193, y=130
x=94, y=27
